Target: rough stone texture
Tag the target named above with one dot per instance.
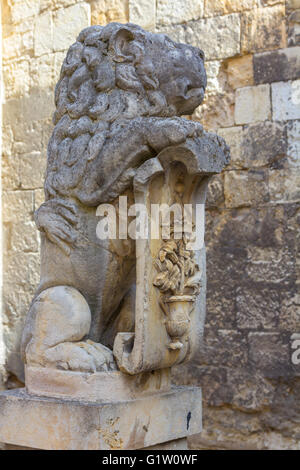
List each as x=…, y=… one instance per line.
x=275, y=66
x=178, y=11
x=106, y=11
x=143, y=12
x=219, y=37
x=252, y=104
x=263, y=29
x=286, y=100
x=240, y=72
x=57, y=424
x=251, y=251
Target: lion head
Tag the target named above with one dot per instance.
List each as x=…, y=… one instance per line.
x=153, y=75
x=111, y=74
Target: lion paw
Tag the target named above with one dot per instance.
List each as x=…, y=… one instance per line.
x=84, y=356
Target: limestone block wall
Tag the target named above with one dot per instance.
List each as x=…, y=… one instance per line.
x=251, y=387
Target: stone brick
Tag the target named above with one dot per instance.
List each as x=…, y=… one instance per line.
x=178, y=11
x=143, y=13
x=42, y=71
x=223, y=7
x=43, y=34
x=293, y=4
x=250, y=391
x=67, y=24
x=216, y=110
x=277, y=66
x=271, y=265
x=263, y=144
x=293, y=21
x=293, y=138
x=269, y=353
x=32, y=171
x=218, y=37
x=213, y=74
x=289, y=315
x=233, y=137
x=240, y=71
x=252, y=104
x=223, y=348
x=220, y=301
x=17, y=45
x=243, y=188
x=286, y=100
x=284, y=185
x=263, y=29
x=215, y=192
x=37, y=105
x=24, y=237
x=257, y=308
x=10, y=172
x=106, y=11
x=16, y=79
x=7, y=138
x=17, y=205
x=22, y=269
x=256, y=145
x=29, y=136
x=19, y=10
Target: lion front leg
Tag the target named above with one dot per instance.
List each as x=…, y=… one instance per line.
x=55, y=333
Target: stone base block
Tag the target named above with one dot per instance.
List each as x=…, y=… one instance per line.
x=67, y=424
x=96, y=387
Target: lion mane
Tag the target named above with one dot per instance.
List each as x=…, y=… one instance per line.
x=94, y=96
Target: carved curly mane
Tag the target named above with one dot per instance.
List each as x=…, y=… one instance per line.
x=95, y=90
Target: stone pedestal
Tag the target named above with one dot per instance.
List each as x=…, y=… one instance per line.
x=67, y=424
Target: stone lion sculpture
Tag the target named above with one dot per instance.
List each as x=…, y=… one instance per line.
x=120, y=92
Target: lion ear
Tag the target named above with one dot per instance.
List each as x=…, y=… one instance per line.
x=126, y=49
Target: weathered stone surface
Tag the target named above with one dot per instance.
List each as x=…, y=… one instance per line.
x=34, y=107
x=143, y=13
x=42, y=71
x=277, y=66
x=219, y=37
x=263, y=29
x=217, y=352
x=17, y=205
x=240, y=71
x=286, y=100
x=294, y=28
x=257, y=145
x=32, y=170
x=217, y=110
x=215, y=192
x=24, y=237
x=223, y=7
x=252, y=104
x=105, y=11
x=293, y=138
x=257, y=308
x=97, y=387
x=67, y=24
x=49, y=423
x=246, y=188
x=289, y=317
x=263, y=144
x=16, y=79
x=233, y=137
x=269, y=353
x=43, y=34
x=284, y=185
x=178, y=11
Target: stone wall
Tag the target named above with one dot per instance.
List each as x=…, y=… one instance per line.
x=251, y=388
